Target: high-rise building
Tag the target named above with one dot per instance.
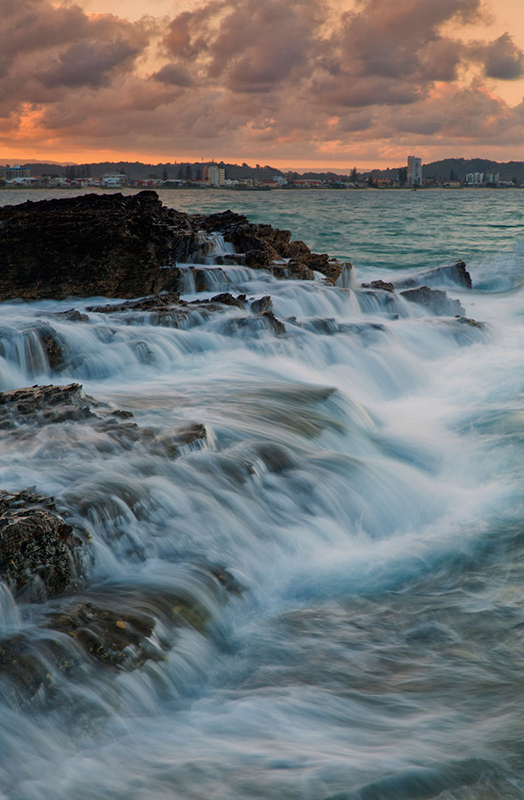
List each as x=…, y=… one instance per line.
x=217, y=175
x=414, y=171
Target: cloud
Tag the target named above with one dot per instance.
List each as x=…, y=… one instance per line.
x=254, y=78
x=502, y=59
x=89, y=63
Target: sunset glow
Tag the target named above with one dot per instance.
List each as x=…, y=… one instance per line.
x=294, y=84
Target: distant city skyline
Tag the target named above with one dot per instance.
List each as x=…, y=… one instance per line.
x=299, y=84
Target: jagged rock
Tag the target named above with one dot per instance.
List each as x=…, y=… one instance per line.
x=36, y=545
x=127, y=247
x=264, y=320
x=152, y=303
x=300, y=270
x=263, y=304
x=383, y=285
x=259, y=259
x=453, y=274
x=469, y=321
x=71, y=315
x=113, y=637
x=227, y=299
x=92, y=245
x=435, y=300
x=42, y=405
x=277, y=326
x=37, y=406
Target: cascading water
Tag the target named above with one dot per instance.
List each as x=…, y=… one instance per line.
x=358, y=485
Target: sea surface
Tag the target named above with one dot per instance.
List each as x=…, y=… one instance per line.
x=361, y=481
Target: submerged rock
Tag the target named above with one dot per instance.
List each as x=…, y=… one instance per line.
x=382, y=285
x=37, y=547
x=435, y=300
x=455, y=274
x=43, y=405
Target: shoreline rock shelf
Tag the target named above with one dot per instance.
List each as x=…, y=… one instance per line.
x=128, y=247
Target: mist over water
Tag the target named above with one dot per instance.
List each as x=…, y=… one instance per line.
x=361, y=481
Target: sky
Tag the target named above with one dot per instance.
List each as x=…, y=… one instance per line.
x=291, y=83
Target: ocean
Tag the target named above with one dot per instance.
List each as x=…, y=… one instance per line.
x=361, y=487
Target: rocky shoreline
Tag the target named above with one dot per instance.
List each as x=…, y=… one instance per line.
x=131, y=249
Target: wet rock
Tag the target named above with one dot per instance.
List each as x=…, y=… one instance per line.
x=263, y=321
x=227, y=299
x=259, y=259
x=263, y=304
x=72, y=315
x=300, y=270
x=24, y=411
x=453, y=274
x=152, y=303
x=37, y=547
x=54, y=347
x=21, y=665
x=113, y=637
x=43, y=405
x=381, y=285
x=128, y=247
x=435, y=300
x=469, y=321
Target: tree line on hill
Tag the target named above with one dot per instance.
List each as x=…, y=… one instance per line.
x=449, y=169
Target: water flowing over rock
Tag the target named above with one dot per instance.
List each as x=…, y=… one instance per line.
x=118, y=246
x=435, y=299
x=451, y=275
x=38, y=549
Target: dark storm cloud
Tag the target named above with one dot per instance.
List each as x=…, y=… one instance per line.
x=502, y=59
x=89, y=63
x=174, y=74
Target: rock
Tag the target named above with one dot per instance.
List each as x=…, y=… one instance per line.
x=453, y=274
x=37, y=548
x=37, y=406
x=127, y=247
x=263, y=321
x=107, y=245
x=469, y=321
x=299, y=270
x=263, y=304
x=113, y=637
x=43, y=405
x=277, y=326
x=435, y=300
x=71, y=315
x=381, y=285
x=227, y=299
x=152, y=303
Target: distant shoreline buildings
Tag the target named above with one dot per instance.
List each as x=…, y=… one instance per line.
x=213, y=175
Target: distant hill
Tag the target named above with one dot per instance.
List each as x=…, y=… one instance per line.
x=445, y=170
x=138, y=171
x=460, y=167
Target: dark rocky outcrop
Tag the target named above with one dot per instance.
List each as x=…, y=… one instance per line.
x=266, y=320
x=38, y=549
x=43, y=405
x=24, y=410
x=126, y=247
x=381, y=285
x=435, y=300
x=263, y=304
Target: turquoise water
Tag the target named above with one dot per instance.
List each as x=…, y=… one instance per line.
x=361, y=479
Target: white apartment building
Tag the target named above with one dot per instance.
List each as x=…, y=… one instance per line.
x=217, y=175
x=414, y=171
